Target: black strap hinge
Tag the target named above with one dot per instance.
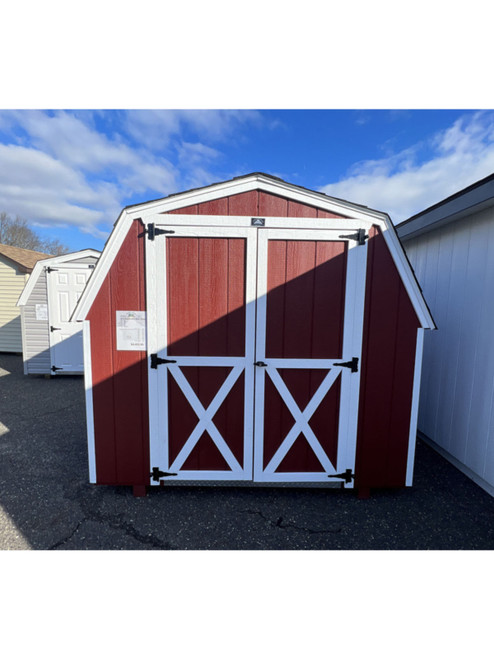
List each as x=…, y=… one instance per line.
x=56, y=368
x=360, y=236
x=347, y=476
x=48, y=269
x=156, y=474
x=352, y=365
x=155, y=360
x=54, y=329
x=153, y=231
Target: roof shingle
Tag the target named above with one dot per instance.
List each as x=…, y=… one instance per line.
x=25, y=259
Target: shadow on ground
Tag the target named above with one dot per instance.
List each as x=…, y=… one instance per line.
x=47, y=503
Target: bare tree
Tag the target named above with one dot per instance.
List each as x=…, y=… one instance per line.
x=17, y=233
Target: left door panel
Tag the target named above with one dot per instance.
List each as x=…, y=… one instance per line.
x=201, y=305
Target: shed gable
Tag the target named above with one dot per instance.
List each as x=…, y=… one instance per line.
x=255, y=202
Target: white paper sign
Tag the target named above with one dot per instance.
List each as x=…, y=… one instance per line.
x=131, y=330
x=41, y=312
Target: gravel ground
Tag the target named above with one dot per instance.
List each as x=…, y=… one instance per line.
x=47, y=503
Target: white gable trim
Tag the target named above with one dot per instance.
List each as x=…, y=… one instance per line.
x=255, y=182
x=53, y=260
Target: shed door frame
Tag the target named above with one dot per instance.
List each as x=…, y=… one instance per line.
x=157, y=378
x=241, y=226
x=350, y=382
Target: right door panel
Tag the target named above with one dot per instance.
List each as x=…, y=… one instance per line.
x=311, y=288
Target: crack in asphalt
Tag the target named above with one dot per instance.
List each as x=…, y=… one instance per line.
x=117, y=525
x=66, y=539
x=279, y=524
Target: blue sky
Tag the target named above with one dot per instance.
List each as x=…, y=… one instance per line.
x=69, y=172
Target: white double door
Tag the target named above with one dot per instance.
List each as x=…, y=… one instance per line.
x=65, y=285
x=254, y=344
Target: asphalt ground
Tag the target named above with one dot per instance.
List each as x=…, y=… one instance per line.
x=47, y=503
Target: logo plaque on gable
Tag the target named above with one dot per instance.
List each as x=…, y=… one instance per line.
x=257, y=221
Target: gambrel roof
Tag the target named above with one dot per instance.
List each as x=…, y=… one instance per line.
x=249, y=182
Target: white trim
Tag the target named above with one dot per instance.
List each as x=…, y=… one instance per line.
x=24, y=342
x=256, y=182
x=88, y=389
x=205, y=418
x=248, y=184
x=302, y=418
x=40, y=265
x=352, y=347
x=270, y=222
x=412, y=440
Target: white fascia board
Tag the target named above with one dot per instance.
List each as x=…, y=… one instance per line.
x=238, y=186
x=52, y=260
x=256, y=182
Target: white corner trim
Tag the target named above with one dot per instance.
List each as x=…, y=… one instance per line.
x=88, y=387
x=412, y=439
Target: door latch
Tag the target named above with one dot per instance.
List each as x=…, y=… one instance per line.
x=260, y=364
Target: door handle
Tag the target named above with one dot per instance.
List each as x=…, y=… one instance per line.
x=259, y=364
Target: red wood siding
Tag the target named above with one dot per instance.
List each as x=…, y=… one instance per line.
x=388, y=362
x=120, y=398
x=255, y=202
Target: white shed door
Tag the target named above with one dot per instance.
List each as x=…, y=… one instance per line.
x=65, y=286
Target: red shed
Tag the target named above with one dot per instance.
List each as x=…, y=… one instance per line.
x=252, y=331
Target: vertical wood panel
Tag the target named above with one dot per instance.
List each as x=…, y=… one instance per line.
x=329, y=299
x=127, y=375
x=271, y=205
x=120, y=399
x=388, y=358
x=183, y=295
x=102, y=384
x=187, y=210
x=295, y=209
x=246, y=203
x=215, y=207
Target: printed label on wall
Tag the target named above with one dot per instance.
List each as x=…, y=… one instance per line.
x=131, y=330
x=41, y=312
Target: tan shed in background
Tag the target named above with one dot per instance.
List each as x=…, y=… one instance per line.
x=16, y=265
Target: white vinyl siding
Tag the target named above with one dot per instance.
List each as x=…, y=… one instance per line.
x=36, y=332
x=455, y=267
x=12, y=282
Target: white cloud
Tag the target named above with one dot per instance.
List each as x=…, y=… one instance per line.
x=156, y=128
x=405, y=183
x=80, y=168
x=36, y=186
